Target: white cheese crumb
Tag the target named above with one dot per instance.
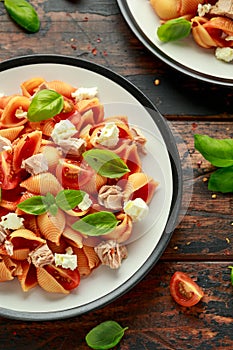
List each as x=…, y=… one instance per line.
x=11, y=221
x=224, y=54
x=20, y=113
x=84, y=93
x=67, y=261
x=137, y=209
x=86, y=202
x=203, y=9
x=63, y=130
x=108, y=136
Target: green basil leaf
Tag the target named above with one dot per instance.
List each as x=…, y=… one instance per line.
x=45, y=104
x=23, y=14
x=106, y=163
x=174, y=29
x=53, y=209
x=105, y=336
x=49, y=199
x=231, y=267
x=69, y=199
x=217, y=152
x=34, y=205
x=96, y=224
x=221, y=180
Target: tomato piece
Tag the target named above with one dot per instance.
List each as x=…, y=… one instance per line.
x=67, y=278
x=73, y=174
x=184, y=290
x=8, y=178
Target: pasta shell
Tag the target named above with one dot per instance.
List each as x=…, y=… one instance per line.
x=48, y=282
x=42, y=183
x=30, y=86
x=211, y=33
x=61, y=87
x=11, y=133
x=52, y=155
x=73, y=237
x=92, y=257
x=83, y=264
x=45, y=126
x=123, y=231
x=24, y=241
x=168, y=9
x=94, y=184
x=28, y=277
x=25, y=147
x=140, y=185
x=8, y=117
x=5, y=271
x=51, y=227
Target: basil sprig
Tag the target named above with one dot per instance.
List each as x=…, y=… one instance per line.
x=106, y=163
x=45, y=104
x=24, y=14
x=220, y=154
x=65, y=200
x=96, y=224
x=105, y=336
x=174, y=29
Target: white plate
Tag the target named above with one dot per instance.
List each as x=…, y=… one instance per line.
x=162, y=162
x=184, y=55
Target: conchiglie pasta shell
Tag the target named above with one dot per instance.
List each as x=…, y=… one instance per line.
x=5, y=272
x=61, y=87
x=11, y=133
x=83, y=264
x=140, y=185
x=92, y=257
x=51, y=227
x=48, y=282
x=168, y=9
x=21, y=254
x=94, y=184
x=26, y=146
x=30, y=86
x=45, y=126
x=42, y=183
x=73, y=237
x=28, y=241
x=8, y=118
x=123, y=231
x=27, y=278
x=52, y=156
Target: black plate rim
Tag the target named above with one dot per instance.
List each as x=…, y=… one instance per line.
x=177, y=186
x=129, y=18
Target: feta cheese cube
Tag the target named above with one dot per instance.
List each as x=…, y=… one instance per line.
x=137, y=209
x=63, y=130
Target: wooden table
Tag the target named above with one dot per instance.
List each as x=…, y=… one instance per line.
x=202, y=244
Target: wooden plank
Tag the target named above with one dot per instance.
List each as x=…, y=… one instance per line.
x=155, y=321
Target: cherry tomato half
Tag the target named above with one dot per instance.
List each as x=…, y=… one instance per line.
x=67, y=278
x=184, y=290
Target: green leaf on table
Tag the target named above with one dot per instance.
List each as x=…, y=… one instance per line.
x=24, y=14
x=217, y=152
x=69, y=199
x=174, y=29
x=106, y=163
x=105, y=336
x=221, y=180
x=45, y=104
x=96, y=224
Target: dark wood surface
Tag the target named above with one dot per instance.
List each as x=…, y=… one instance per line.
x=202, y=244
